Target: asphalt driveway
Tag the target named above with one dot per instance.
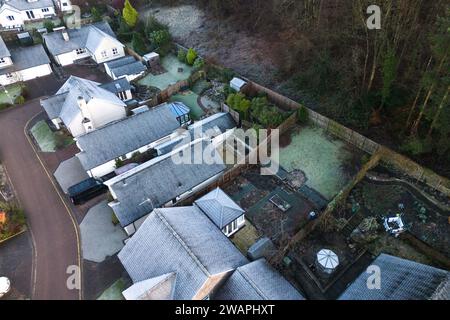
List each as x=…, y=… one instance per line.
x=54, y=233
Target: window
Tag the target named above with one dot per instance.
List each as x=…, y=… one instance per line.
x=115, y=51
x=30, y=14
x=103, y=53
x=2, y=60
x=45, y=9
x=9, y=75
x=64, y=4
x=10, y=18
x=122, y=95
x=241, y=219
x=80, y=51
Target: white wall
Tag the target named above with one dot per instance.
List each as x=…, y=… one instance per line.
x=27, y=74
x=21, y=16
x=8, y=62
x=107, y=45
x=63, y=8
x=103, y=112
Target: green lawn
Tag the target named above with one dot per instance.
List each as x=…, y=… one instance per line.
x=14, y=91
x=172, y=76
x=114, y=292
x=189, y=98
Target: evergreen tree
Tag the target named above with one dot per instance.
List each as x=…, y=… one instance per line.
x=130, y=14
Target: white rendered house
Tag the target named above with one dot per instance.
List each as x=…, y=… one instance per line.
x=82, y=106
x=96, y=41
x=22, y=64
x=14, y=13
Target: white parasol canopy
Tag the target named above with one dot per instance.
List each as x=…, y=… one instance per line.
x=327, y=259
x=5, y=285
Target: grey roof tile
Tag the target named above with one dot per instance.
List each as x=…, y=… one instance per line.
x=158, y=181
x=179, y=240
x=25, y=5
x=219, y=207
x=401, y=279
x=26, y=57
x=4, y=52
x=257, y=281
x=126, y=135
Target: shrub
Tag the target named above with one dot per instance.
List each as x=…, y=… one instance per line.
x=267, y=115
x=199, y=63
x=152, y=25
x=191, y=56
x=96, y=14
x=24, y=91
x=302, y=115
x=138, y=43
x=119, y=163
x=181, y=55
x=130, y=15
x=160, y=38
x=49, y=25
x=4, y=106
x=20, y=100
x=416, y=146
x=238, y=102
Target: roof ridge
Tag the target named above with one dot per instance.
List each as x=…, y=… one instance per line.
x=251, y=282
x=181, y=241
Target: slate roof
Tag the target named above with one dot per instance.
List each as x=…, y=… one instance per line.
x=78, y=38
x=158, y=288
x=401, y=279
x=127, y=65
x=158, y=181
x=180, y=240
x=25, y=5
x=257, y=281
x=26, y=57
x=126, y=135
x=213, y=125
x=65, y=100
x=219, y=207
x=4, y=52
x=117, y=85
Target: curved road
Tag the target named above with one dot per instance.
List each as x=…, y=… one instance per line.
x=54, y=232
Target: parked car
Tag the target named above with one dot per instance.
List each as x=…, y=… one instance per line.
x=5, y=286
x=86, y=190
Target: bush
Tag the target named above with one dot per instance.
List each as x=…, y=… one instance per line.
x=4, y=106
x=49, y=25
x=160, y=38
x=130, y=15
x=119, y=163
x=267, y=115
x=138, y=44
x=152, y=25
x=199, y=63
x=302, y=115
x=96, y=14
x=191, y=56
x=20, y=100
x=181, y=55
x=416, y=146
x=238, y=102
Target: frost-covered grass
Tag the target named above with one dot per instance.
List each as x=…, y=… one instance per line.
x=171, y=64
x=45, y=138
x=319, y=157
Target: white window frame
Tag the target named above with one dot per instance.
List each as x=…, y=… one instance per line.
x=115, y=51
x=9, y=75
x=10, y=18
x=104, y=54
x=80, y=51
x=2, y=60
x=45, y=9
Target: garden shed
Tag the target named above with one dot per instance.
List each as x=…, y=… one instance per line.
x=237, y=84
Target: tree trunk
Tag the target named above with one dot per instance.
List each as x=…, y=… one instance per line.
x=438, y=112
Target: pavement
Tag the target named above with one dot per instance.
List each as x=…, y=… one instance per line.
x=69, y=173
x=54, y=232
x=100, y=238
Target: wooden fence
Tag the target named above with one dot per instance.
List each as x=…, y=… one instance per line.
x=388, y=157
